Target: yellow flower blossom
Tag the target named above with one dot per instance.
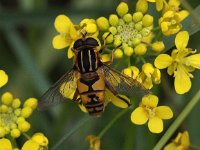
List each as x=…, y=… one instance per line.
x=127, y=30
x=181, y=63
x=37, y=142
x=170, y=22
x=181, y=142
x=12, y=117
x=94, y=142
x=3, y=78
x=149, y=75
x=149, y=111
x=68, y=32
x=5, y=144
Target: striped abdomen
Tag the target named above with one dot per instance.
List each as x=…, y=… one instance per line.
x=87, y=61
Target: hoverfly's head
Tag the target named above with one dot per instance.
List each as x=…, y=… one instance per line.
x=85, y=43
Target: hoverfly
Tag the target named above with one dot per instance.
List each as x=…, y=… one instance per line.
x=91, y=80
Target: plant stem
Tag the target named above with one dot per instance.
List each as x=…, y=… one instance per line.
x=178, y=121
x=27, y=136
x=119, y=115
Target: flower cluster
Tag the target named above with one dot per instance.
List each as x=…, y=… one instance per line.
x=13, y=120
x=147, y=76
x=37, y=142
x=13, y=117
x=127, y=30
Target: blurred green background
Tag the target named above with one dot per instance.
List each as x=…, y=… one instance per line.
x=27, y=55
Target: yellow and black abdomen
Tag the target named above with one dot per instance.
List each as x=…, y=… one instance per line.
x=91, y=88
x=87, y=61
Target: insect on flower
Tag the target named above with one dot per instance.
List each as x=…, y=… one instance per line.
x=93, y=82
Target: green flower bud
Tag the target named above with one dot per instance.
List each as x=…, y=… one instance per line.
x=122, y=9
x=137, y=17
x=127, y=18
x=114, y=20
x=147, y=20
x=140, y=49
x=102, y=23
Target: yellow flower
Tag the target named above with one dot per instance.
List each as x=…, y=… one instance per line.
x=12, y=117
x=94, y=142
x=181, y=142
x=170, y=22
x=127, y=30
x=149, y=75
x=181, y=63
x=68, y=32
x=3, y=78
x=149, y=111
x=5, y=144
x=37, y=142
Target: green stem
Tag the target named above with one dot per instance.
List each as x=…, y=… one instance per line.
x=27, y=136
x=109, y=125
x=178, y=121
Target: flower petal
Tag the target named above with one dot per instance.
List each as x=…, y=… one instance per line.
x=60, y=42
x=155, y=125
x=3, y=78
x=73, y=33
x=181, y=40
x=62, y=24
x=139, y=116
x=150, y=100
x=70, y=53
x=183, y=14
x=182, y=81
x=30, y=144
x=164, y=112
x=159, y=5
x=163, y=61
x=185, y=141
x=193, y=61
x=5, y=144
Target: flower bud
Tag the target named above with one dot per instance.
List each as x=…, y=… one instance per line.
x=127, y=18
x=114, y=20
x=128, y=51
x=122, y=9
x=137, y=17
x=140, y=49
x=158, y=46
x=7, y=98
x=147, y=20
x=118, y=53
x=102, y=23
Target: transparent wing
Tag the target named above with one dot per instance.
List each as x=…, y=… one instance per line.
x=63, y=89
x=119, y=83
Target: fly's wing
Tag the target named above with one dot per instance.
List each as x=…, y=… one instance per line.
x=120, y=84
x=63, y=89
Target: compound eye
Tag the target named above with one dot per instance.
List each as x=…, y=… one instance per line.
x=78, y=43
x=91, y=42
